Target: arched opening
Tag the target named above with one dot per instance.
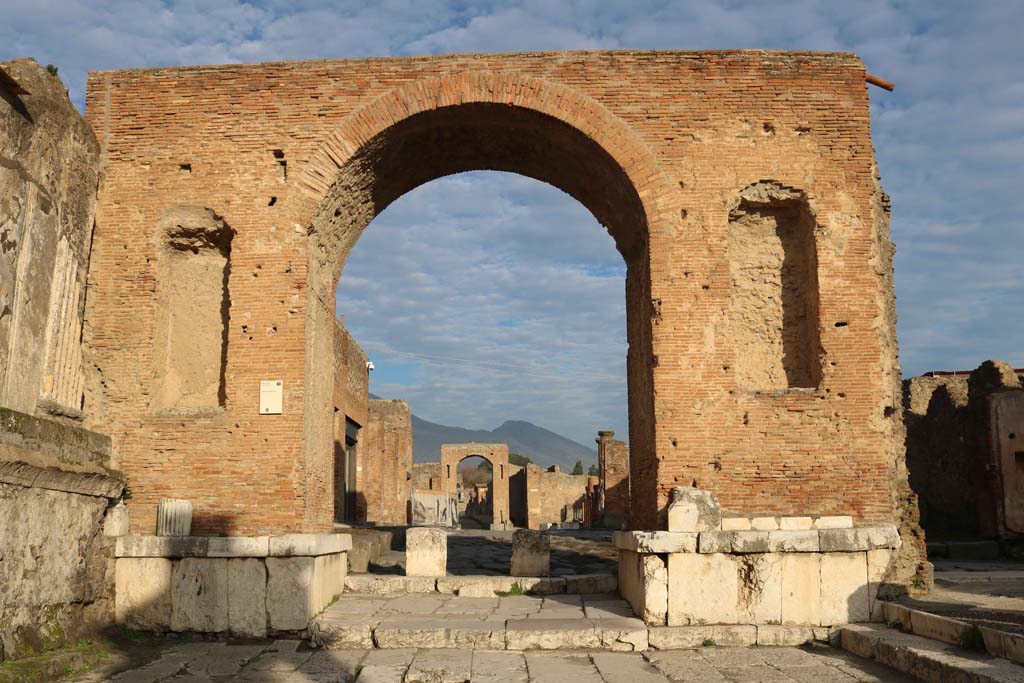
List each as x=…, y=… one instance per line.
x=447, y=140
x=475, y=492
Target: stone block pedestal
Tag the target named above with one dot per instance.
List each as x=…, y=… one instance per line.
x=243, y=586
x=426, y=551
x=531, y=553
x=803, y=571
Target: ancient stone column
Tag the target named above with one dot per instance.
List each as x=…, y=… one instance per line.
x=531, y=553
x=173, y=517
x=426, y=551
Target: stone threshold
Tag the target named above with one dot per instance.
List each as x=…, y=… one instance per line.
x=925, y=658
x=483, y=586
x=615, y=634
x=954, y=631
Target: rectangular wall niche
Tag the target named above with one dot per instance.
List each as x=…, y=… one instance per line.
x=773, y=306
x=192, y=306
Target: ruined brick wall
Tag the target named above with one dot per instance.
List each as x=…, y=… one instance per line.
x=962, y=440
x=673, y=151
x=517, y=496
x=426, y=476
x=357, y=380
x=538, y=496
x=613, y=475
x=49, y=168
x=942, y=473
x=350, y=400
x=995, y=425
x=560, y=494
x=386, y=461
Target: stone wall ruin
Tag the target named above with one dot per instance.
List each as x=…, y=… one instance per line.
x=963, y=452
x=57, y=491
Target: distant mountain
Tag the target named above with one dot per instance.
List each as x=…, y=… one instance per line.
x=542, y=446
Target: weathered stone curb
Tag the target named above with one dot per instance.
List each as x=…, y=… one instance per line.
x=482, y=586
x=824, y=540
x=622, y=634
x=924, y=658
x=289, y=545
x=738, y=635
x=953, y=631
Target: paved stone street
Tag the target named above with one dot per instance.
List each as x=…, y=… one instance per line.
x=288, y=661
x=482, y=552
x=984, y=593
x=512, y=622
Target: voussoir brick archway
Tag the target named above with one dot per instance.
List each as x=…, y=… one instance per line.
x=740, y=188
x=482, y=121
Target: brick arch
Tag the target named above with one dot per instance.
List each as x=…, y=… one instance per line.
x=561, y=102
x=485, y=121
x=494, y=453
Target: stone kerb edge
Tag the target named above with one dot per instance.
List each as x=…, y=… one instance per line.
x=839, y=539
x=290, y=545
x=948, y=630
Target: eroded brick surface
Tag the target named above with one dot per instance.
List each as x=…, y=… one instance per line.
x=299, y=157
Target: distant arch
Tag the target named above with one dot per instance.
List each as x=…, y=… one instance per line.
x=494, y=453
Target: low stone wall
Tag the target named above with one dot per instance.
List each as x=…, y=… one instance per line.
x=809, y=577
x=247, y=586
x=56, y=564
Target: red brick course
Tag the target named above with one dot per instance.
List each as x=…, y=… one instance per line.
x=658, y=145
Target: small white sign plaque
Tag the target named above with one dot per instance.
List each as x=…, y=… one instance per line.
x=271, y=396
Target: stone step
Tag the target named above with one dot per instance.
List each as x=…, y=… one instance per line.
x=926, y=659
x=480, y=586
x=602, y=622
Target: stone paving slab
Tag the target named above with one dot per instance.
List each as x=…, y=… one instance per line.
x=293, y=662
x=525, y=622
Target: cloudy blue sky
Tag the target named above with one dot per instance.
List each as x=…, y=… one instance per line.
x=534, y=329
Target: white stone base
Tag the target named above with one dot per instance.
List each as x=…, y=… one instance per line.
x=240, y=585
x=789, y=577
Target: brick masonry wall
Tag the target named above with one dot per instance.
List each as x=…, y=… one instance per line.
x=613, y=473
x=426, y=476
x=386, y=462
x=558, y=491
x=942, y=470
x=350, y=401
x=962, y=434
x=659, y=145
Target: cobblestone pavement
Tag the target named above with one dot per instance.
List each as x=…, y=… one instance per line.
x=476, y=551
x=287, y=661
